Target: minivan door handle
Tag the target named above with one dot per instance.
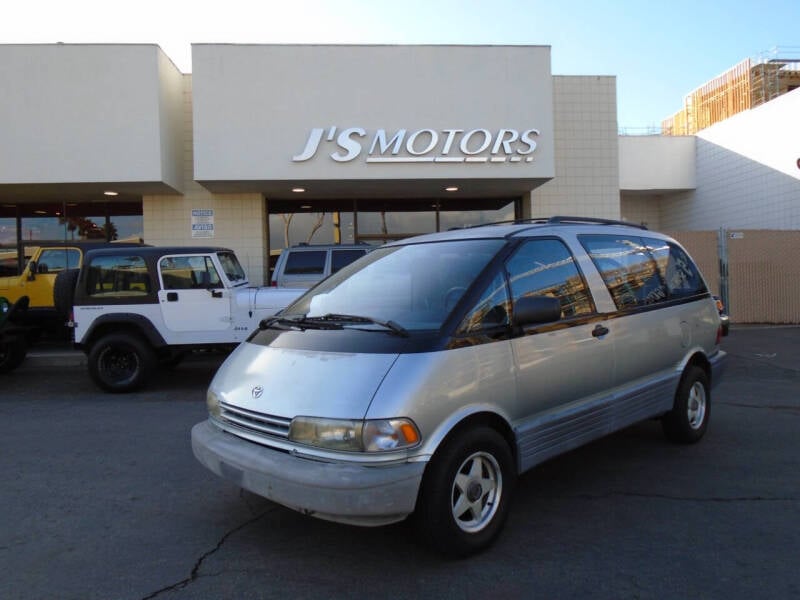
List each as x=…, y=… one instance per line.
x=172, y=296
x=599, y=330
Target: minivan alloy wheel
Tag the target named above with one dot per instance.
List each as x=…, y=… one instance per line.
x=466, y=490
x=477, y=490
x=696, y=405
x=688, y=420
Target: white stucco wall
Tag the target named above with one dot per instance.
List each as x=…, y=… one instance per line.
x=239, y=219
x=655, y=162
x=747, y=172
x=87, y=113
x=586, y=152
x=255, y=107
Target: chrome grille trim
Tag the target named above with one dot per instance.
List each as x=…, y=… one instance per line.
x=255, y=421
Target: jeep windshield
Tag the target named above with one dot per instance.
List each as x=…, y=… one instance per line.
x=408, y=288
x=233, y=270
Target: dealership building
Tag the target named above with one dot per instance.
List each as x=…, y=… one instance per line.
x=263, y=146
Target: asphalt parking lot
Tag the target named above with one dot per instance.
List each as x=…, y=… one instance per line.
x=102, y=498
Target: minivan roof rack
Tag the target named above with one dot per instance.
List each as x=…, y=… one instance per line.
x=559, y=219
x=594, y=220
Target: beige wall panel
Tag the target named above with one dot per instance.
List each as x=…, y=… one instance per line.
x=764, y=275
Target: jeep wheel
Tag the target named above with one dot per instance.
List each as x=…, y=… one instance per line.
x=688, y=420
x=121, y=362
x=12, y=352
x=465, y=493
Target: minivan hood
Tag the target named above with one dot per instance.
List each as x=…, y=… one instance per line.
x=301, y=382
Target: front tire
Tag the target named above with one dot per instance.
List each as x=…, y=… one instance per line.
x=121, y=362
x=466, y=492
x=12, y=352
x=687, y=422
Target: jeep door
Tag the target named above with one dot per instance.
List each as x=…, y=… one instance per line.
x=192, y=296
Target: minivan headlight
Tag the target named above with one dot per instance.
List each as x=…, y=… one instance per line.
x=212, y=403
x=349, y=435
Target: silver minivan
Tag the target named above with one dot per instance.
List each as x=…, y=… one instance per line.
x=426, y=376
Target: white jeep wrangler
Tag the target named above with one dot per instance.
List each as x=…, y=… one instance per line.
x=133, y=308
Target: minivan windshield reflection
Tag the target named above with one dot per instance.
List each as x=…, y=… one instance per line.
x=414, y=287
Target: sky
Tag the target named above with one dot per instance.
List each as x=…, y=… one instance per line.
x=659, y=51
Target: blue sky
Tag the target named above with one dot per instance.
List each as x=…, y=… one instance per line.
x=659, y=51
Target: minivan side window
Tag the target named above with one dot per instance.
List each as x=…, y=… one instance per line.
x=545, y=267
x=118, y=276
x=311, y=262
x=627, y=268
x=492, y=310
x=678, y=271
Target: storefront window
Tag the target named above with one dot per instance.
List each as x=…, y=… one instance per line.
x=375, y=221
x=451, y=217
x=63, y=222
x=8, y=247
x=387, y=225
x=289, y=229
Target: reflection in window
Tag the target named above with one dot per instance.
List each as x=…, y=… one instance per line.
x=492, y=310
x=627, y=268
x=58, y=259
x=546, y=268
x=676, y=268
x=118, y=276
x=416, y=286
x=188, y=273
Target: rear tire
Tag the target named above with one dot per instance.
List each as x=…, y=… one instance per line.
x=466, y=492
x=121, y=362
x=687, y=422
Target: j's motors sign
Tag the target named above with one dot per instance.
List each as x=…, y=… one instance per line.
x=421, y=145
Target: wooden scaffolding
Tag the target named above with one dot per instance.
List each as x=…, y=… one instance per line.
x=746, y=85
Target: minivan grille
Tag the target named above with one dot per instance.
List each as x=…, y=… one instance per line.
x=255, y=421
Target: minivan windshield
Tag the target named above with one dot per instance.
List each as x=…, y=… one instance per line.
x=414, y=286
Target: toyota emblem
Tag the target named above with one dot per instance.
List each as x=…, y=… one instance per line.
x=257, y=391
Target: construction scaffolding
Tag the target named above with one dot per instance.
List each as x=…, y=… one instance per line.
x=750, y=83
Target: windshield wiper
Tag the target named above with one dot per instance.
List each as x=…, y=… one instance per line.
x=340, y=318
x=300, y=323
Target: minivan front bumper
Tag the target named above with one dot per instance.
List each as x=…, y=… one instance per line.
x=342, y=492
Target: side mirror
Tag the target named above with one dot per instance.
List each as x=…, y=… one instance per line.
x=534, y=310
x=32, y=266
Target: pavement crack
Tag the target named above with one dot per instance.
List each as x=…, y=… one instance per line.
x=791, y=409
x=713, y=499
x=195, y=573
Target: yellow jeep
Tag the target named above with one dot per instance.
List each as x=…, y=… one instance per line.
x=38, y=278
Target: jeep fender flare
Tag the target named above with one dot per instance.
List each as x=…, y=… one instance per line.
x=124, y=321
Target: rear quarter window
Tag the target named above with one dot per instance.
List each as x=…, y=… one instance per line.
x=117, y=277
x=341, y=258
x=680, y=274
x=307, y=262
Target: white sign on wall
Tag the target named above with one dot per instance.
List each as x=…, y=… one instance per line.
x=202, y=222
x=423, y=145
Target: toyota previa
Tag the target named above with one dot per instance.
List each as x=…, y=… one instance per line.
x=423, y=378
